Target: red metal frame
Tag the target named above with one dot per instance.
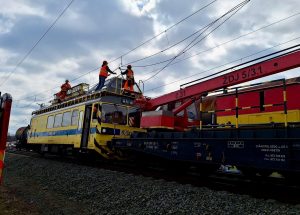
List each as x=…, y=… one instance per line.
x=5, y=108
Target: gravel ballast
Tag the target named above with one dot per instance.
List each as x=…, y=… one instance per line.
x=64, y=188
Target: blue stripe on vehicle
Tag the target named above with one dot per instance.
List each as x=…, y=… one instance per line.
x=92, y=130
x=58, y=133
x=62, y=132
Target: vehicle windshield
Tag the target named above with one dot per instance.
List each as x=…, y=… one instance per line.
x=114, y=114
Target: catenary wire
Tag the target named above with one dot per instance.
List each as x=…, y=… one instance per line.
x=238, y=7
x=177, y=43
x=173, y=45
x=229, y=41
x=145, y=42
x=219, y=66
x=281, y=20
x=250, y=61
x=162, y=32
x=259, y=29
x=186, y=58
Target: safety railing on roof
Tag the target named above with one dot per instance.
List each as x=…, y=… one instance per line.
x=113, y=87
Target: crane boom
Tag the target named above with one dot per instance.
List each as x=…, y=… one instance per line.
x=258, y=70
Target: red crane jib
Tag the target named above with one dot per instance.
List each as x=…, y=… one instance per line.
x=259, y=70
x=153, y=119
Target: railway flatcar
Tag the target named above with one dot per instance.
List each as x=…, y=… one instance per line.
x=87, y=121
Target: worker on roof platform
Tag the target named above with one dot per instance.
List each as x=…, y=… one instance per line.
x=129, y=83
x=103, y=75
x=63, y=91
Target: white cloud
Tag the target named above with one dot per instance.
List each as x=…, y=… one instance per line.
x=11, y=10
x=139, y=7
x=63, y=67
x=5, y=55
x=15, y=8
x=5, y=25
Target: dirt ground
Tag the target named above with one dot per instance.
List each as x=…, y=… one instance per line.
x=10, y=204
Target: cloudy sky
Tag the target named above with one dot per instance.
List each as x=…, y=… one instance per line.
x=91, y=31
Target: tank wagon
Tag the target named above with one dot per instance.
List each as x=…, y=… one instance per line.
x=21, y=137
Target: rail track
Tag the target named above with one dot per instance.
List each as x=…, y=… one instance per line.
x=271, y=188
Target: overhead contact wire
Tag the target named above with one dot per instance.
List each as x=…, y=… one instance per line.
x=169, y=28
x=229, y=41
x=220, y=66
x=172, y=26
x=239, y=6
x=281, y=20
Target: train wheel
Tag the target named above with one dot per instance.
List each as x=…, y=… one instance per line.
x=42, y=149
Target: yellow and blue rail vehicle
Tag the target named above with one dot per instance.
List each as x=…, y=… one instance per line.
x=87, y=122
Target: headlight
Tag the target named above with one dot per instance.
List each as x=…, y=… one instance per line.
x=103, y=130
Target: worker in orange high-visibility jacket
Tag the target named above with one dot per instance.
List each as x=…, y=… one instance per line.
x=129, y=83
x=103, y=75
x=64, y=89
